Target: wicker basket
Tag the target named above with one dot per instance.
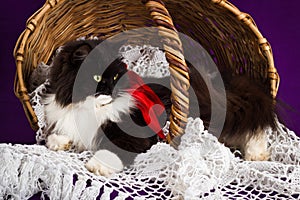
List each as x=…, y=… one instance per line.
x=216, y=24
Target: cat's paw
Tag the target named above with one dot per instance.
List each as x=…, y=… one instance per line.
x=104, y=163
x=257, y=156
x=256, y=149
x=58, y=142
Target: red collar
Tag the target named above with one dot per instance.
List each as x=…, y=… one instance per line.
x=148, y=102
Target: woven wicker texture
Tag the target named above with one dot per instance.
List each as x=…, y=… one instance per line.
x=230, y=36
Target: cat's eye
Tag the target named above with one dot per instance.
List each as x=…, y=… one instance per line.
x=116, y=76
x=97, y=78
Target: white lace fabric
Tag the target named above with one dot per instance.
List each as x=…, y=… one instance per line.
x=146, y=61
x=200, y=168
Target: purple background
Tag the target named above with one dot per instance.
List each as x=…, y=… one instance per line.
x=276, y=19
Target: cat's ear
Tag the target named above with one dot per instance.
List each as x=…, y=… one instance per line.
x=80, y=54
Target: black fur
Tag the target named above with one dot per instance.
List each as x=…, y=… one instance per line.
x=248, y=107
x=65, y=68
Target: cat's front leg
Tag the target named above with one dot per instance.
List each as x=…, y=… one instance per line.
x=104, y=163
x=58, y=142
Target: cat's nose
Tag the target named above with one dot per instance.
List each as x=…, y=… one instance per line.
x=103, y=89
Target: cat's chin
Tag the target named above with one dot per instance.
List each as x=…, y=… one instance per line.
x=103, y=100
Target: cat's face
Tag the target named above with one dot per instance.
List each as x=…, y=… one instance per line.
x=73, y=79
x=113, y=80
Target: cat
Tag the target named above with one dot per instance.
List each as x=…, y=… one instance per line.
x=70, y=116
x=124, y=126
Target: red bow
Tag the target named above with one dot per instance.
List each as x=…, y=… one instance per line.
x=147, y=101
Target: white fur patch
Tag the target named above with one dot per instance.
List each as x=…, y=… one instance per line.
x=104, y=163
x=58, y=142
x=80, y=121
x=256, y=147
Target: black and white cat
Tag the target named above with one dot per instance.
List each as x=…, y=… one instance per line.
x=112, y=112
x=108, y=118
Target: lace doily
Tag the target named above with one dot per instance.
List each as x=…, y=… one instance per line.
x=200, y=168
x=146, y=61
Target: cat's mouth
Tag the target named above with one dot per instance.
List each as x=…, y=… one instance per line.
x=103, y=100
